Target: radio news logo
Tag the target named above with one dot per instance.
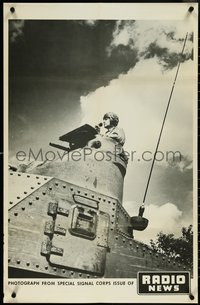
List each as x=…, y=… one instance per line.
x=163, y=282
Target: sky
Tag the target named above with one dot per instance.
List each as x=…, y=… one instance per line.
x=63, y=74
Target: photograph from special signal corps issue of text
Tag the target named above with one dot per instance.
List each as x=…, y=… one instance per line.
x=100, y=162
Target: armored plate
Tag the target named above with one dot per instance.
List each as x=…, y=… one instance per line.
x=64, y=230
x=79, y=135
x=21, y=185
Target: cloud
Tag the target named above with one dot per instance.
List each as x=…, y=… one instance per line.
x=166, y=218
x=176, y=185
x=140, y=98
x=16, y=30
x=154, y=39
x=89, y=22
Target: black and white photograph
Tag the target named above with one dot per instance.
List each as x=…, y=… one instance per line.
x=100, y=169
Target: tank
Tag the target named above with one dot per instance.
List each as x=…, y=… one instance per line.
x=66, y=217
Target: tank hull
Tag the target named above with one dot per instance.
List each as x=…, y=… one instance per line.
x=59, y=229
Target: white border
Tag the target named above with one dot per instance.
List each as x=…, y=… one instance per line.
x=103, y=11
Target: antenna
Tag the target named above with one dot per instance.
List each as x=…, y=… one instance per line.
x=163, y=123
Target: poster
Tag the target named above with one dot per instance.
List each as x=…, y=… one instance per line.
x=100, y=153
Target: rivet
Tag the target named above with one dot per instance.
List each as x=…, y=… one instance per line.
x=45, y=178
x=63, y=271
x=28, y=176
x=72, y=272
x=85, y=194
x=38, y=183
x=56, y=184
x=27, y=264
x=18, y=197
x=46, y=267
x=43, y=193
x=30, y=203
x=37, y=177
x=15, y=214
x=11, y=202
x=32, y=187
x=11, y=174
x=18, y=261
x=9, y=260
x=25, y=193
x=19, y=175
x=23, y=208
x=64, y=186
x=55, y=269
x=77, y=192
x=50, y=188
x=37, y=198
x=37, y=266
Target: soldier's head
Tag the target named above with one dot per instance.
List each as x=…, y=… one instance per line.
x=110, y=120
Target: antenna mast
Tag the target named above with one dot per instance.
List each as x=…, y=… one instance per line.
x=163, y=123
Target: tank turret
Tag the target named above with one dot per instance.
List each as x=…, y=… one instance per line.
x=66, y=217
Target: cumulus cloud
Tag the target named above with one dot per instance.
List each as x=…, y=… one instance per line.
x=166, y=218
x=16, y=28
x=154, y=39
x=140, y=98
x=89, y=22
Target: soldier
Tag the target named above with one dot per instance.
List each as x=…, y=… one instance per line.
x=110, y=122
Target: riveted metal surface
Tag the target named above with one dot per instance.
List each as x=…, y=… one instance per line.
x=27, y=224
x=81, y=253
x=113, y=253
x=21, y=185
x=27, y=221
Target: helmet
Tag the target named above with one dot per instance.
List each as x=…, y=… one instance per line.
x=114, y=119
